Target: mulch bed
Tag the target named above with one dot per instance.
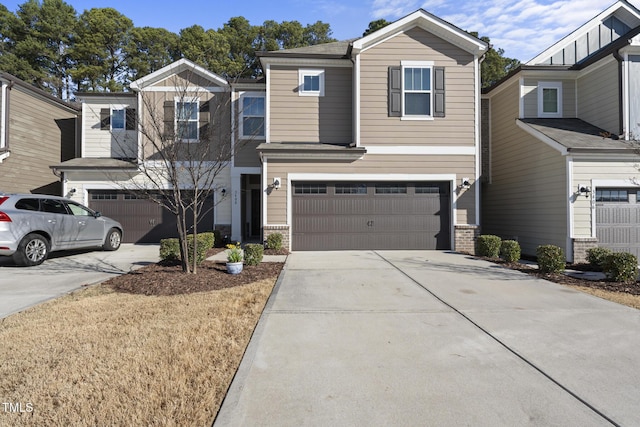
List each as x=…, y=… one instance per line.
x=606, y=285
x=163, y=279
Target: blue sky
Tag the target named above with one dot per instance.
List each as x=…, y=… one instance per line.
x=522, y=28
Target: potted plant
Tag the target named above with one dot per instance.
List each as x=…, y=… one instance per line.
x=234, y=258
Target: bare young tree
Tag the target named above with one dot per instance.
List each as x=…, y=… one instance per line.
x=183, y=146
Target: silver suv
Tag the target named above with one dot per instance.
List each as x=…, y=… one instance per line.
x=33, y=225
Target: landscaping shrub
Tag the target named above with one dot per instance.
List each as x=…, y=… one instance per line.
x=488, y=245
x=621, y=267
x=274, y=241
x=510, y=250
x=253, y=253
x=597, y=256
x=551, y=259
x=170, y=248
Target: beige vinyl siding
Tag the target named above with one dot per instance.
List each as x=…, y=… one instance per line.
x=585, y=172
x=41, y=134
x=462, y=166
x=456, y=128
x=527, y=198
x=186, y=81
x=598, y=97
x=530, y=93
x=327, y=119
x=107, y=143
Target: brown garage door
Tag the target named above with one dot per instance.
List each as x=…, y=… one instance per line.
x=143, y=221
x=617, y=219
x=346, y=215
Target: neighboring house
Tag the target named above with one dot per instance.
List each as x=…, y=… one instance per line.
x=36, y=130
x=562, y=168
x=182, y=98
x=374, y=143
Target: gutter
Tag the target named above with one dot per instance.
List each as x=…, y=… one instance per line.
x=616, y=55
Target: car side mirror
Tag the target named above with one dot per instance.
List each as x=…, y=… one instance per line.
x=97, y=214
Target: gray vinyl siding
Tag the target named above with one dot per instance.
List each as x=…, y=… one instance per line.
x=41, y=134
x=526, y=199
x=246, y=154
x=374, y=164
x=105, y=143
x=456, y=128
x=530, y=100
x=598, y=97
x=326, y=119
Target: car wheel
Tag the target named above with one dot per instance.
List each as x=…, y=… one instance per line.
x=32, y=250
x=113, y=240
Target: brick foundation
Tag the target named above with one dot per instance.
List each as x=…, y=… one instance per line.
x=282, y=229
x=465, y=238
x=580, y=247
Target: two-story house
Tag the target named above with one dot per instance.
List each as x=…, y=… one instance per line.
x=374, y=143
x=563, y=166
x=36, y=130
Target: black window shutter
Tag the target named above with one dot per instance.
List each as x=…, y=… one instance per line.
x=438, y=86
x=130, y=118
x=203, y=121
x=395, y=92
x=169, y=120
x=105, y=119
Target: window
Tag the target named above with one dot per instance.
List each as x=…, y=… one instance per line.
x=427, y=189
x=311, y=82
x=117, y=119
x=252, y=115
x=550, y=99
x=416, y=91
x=187, y=120
x=310, y=189
x=104, y=196
x=351, y=188
x=53, y=206
x=78, y=210
x=391, y=189
x=28, y=204
x=612, y=195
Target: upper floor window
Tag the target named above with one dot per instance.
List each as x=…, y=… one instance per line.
x=118, y=119
x=252, y=115
x=311, y=82
x=550, y=99
x=417, y=90
x=187, y=120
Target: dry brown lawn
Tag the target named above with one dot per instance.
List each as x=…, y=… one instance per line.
x=618, y=297
x=101, y=357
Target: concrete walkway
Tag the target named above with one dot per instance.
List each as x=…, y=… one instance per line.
x=413, y=338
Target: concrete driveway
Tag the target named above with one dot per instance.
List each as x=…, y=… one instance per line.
x=410, y=338
x=63, y=272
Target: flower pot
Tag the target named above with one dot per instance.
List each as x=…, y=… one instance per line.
x=234, y=267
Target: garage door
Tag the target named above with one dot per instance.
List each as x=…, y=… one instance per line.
x=618, y=219
x=143, y=221
x=347, y=215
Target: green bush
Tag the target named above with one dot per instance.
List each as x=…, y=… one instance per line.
x=597, y=256
x=551, y=259
x=170, y=248
x=621, y=267
x=510, y=250
x=253, y=253
x=488, y=245
x=274, y=241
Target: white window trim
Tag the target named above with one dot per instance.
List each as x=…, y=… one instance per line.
x=549, y=85
x=310, y=72
x=116, y=107
x=182, y=99
x=241, y=134
x=416, y=64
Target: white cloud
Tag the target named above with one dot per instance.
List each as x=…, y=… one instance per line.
x=523, y=28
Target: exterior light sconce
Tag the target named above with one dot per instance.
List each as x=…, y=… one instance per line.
x=466, y=183
x=223, y=191
x=584, y=191
x=277, y=182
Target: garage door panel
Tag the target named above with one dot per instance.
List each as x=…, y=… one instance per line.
x=618, y=225
x=371, y=221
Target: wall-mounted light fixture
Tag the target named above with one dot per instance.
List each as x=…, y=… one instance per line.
x=223, y=191
x=466, y=183
x=583, y=190
x=277, y=182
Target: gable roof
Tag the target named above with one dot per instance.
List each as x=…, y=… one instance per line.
x=35, y=91
x=609, y=25
x=176, y=68
x=428, y=22
x=335, y=50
